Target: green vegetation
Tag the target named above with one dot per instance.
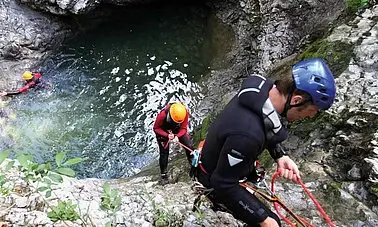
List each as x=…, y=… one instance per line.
x=266, y=160
x=110, y=201
x=64, y=211
x=43, y=174
x=337, y=54
x=4, y=187
x=200, y=215
x=304, y=127
x=374, y=189
x=354, y=5
x=202, y=132
x=333, y=189
x=163, y=216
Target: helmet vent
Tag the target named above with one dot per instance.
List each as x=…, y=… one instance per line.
x=314, y=76
x=323, y=90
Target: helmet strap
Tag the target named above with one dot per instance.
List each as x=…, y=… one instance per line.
x=287, y=105
x=288, y=100
x=169, y=119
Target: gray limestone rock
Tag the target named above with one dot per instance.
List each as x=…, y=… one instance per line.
x=27, y=37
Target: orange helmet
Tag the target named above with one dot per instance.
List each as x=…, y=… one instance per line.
x=177, y=111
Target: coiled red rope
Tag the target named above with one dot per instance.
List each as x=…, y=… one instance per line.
x=320, y=209
x=277, y=205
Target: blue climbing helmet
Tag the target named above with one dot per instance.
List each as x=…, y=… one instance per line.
x=314, y=77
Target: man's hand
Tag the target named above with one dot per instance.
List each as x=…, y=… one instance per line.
x=288, y=169
x=269, y=222
x=175, y=139
x=3, y=93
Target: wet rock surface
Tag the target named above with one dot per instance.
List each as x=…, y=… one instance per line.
x=338, y=152
x=341, y=145
x=27, y=36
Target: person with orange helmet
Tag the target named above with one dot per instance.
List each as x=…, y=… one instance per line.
x=32, y=79
x=171, y=124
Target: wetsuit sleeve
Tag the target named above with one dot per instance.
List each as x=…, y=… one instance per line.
x=37, y=75
x=276, y=151
x=26, y=87
x=159, y=124
x=236, y=158
x=184, y=126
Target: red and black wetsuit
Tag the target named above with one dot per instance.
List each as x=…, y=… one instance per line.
x=33, y=82
x=163, y=124
x=246, y=126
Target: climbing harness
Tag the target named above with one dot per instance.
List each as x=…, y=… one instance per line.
x=272, y=197
x=257, y=188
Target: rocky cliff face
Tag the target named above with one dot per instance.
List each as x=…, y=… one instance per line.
x=266, y=32
x=341, y=154
x=67, y=7
x=27, y=36
x=286, y=24
x=340, y=147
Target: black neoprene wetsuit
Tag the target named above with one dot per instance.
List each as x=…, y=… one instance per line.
x=247, y=125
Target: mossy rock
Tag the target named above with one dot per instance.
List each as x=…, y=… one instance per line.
x=303, y=128
x=201, y=133
x=266, y=160
x=161, y=222
x=374, y=189
x=337, y=54
x=354, y=5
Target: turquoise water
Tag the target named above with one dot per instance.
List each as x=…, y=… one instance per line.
x=106, y=87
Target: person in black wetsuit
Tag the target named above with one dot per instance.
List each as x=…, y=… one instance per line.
x=249, y=124
x=32, y=79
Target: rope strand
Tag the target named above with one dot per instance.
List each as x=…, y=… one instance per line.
x=320, y=209
x=277, y=205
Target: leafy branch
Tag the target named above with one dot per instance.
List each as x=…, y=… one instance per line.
x=110, y=201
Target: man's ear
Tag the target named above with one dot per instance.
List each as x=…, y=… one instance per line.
x=296, y=99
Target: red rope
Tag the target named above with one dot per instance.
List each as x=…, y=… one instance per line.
x=182, y=145
x=185, y=147
x=320, y=209
x=276, y=205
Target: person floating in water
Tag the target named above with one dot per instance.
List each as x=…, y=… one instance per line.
x=32, y=80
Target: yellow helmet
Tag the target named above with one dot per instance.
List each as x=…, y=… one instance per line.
x=27, y=75
x=177, y=112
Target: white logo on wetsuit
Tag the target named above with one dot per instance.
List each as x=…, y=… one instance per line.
x=246, y=207
x=233, y=161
